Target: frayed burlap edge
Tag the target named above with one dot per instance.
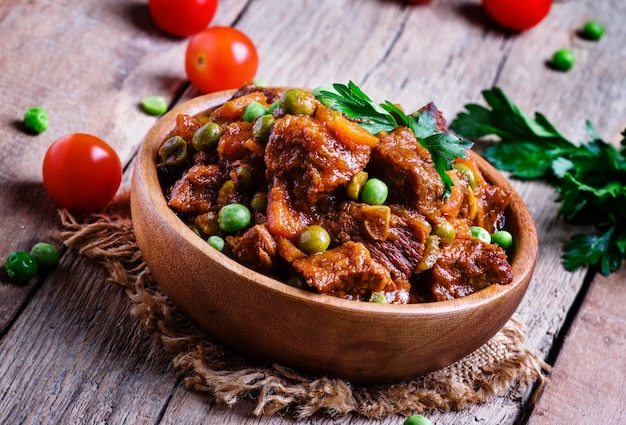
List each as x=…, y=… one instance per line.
x=501, y=367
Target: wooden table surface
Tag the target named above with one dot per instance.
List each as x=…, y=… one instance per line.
x=71, y=353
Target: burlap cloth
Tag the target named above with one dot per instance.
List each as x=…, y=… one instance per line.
x=503, y=367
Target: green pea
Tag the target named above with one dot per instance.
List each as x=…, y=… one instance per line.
x=233, y=217
x=206, y=138
x=374, y=192
x=259, y=201
x=21, y=266
x=253, y=110
x=46, y=255
x=298, y=102
x=245, y=177
x=563, y=60
x=174, y=151
x=446, y=231
x=593, y=30
x=154, y=105
x=466, y=171
x=273, y=106
x=480, y=233
x=502, y=238
x=417, y=420
x=378, y=298
x=260, y=83
x=313, y=239
x=216, y=242
x=298, y=282
x=262, y=127
x=36, y=119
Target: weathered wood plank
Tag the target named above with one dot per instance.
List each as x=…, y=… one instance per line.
x=89, y=65
x=436, y=55
x=74, y=354
x=594, y=89
x=588, y=383
x=89, y=82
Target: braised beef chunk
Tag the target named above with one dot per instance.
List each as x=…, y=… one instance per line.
x=282, y=218
x=256, y=248
x=271, y=93
x=303, y=153
x=457, y=205
x=464, y=267
x=195, y=191
x=394, y=239
x=408, y=170
x=347, y=271
x=237, y=143
x=492, y=200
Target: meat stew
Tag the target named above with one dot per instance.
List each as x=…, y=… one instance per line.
x=300, y=166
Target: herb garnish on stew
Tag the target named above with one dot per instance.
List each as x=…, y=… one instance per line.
x=444, y=148
x=590, y=178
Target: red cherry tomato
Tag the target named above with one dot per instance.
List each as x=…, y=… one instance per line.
x=220, y=58
x=81, y=172
x=517, y=15
x=182, y=17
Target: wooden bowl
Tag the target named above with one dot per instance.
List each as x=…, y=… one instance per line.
x=270, y=321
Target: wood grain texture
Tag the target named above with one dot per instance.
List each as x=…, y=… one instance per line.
x=76, y=361
x=70, y=353
x=89, y=81
x=591, y=363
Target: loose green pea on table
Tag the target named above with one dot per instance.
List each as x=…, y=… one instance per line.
x=36, y=119
x=45, y=254
x=417, y=420
x=563, y=60
x=154, y=105
x=21, y=266
x=593, y=30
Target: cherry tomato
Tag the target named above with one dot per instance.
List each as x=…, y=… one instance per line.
x=517, y=15
x=81, y=172
x=182, y=17
x=220, y=58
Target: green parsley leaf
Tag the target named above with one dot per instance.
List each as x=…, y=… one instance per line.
x=423, y=124
x=583, y=249
x=590, y=178
x=352, y=102
x=443, y=147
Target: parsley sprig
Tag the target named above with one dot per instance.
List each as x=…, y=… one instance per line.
x=590, y=178
x=444, y=148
